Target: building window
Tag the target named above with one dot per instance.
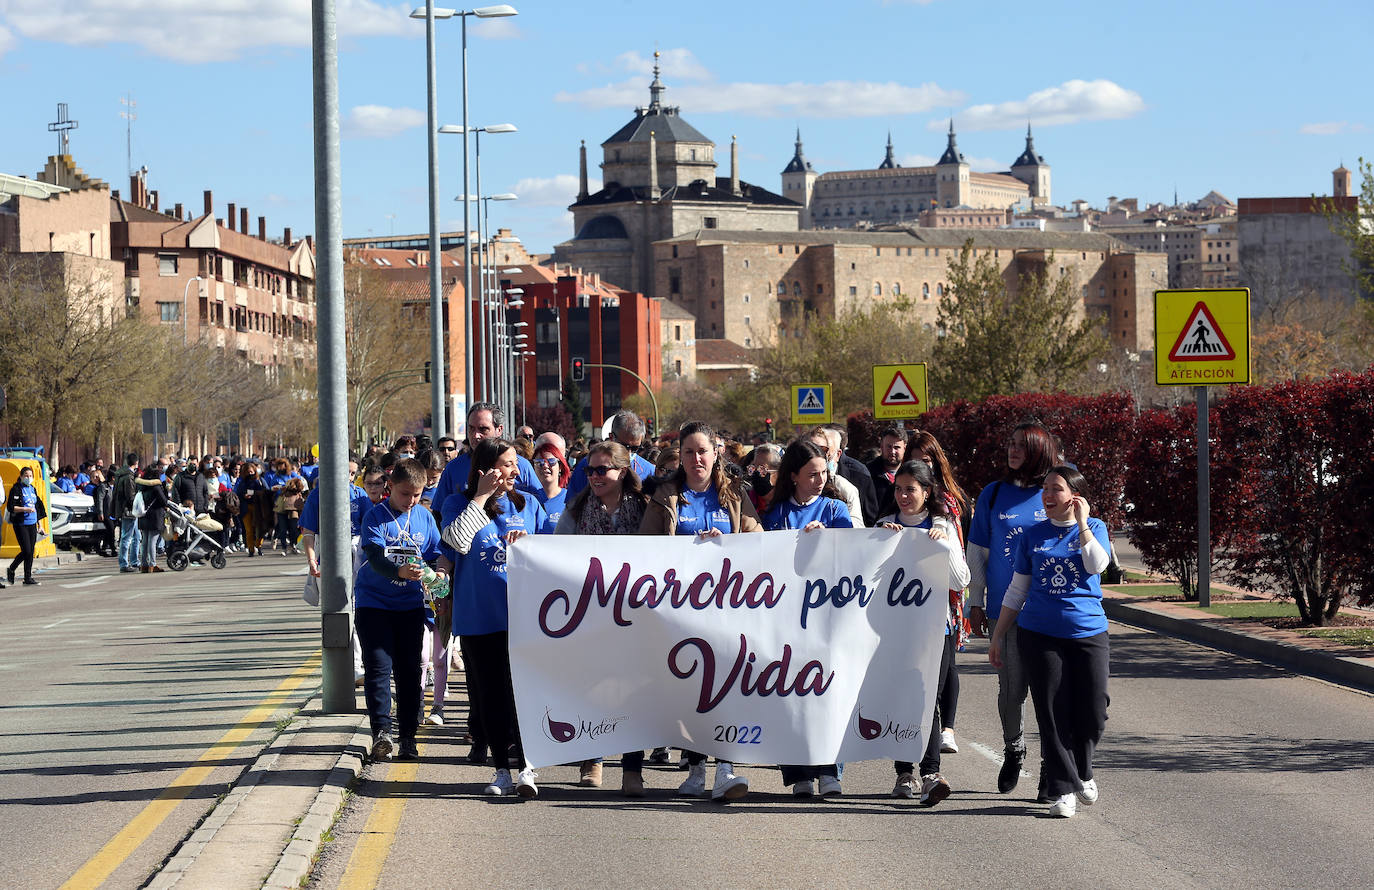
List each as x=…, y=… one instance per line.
x=709, y=222
x=782, y=288
x=746, y=321
x=674, y=281
x=691, y=154
x=896, y=288
x=853, y=291
x=746, y=264
x=169, y=312
x=677, y=332
x=746, y=298
x=677, y=366
x=748, y=342
x=166, y=264
x=877, y=288
x=674, y=251
x=925, y=290
x=820, y=289
x=939, y=291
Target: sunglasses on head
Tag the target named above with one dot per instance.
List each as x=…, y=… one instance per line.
x=600, y=471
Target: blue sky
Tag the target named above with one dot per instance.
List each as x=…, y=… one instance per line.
x=1133, y=100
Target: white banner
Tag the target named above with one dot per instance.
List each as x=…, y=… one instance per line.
x=780, y=647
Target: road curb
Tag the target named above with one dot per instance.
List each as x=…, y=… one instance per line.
x=1357, y=673
x=298, y=858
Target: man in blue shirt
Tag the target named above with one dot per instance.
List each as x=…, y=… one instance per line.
x=485, y=421
x=628, y=430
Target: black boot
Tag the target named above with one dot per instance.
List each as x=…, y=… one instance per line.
x=1010, y=773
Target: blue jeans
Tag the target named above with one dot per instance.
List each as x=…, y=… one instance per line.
x=148, y=546
x=128, y=543
x=391, y=642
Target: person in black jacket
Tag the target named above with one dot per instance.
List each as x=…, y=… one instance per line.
x=192, y=485
x=103, y=496
x=150, y=523
x=856, y=473
x=883, y=468
x=121, y=511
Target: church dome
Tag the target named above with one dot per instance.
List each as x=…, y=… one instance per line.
x=601, y=227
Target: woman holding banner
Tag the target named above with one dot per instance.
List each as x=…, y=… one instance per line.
x=804, y=498
x=611, y=504
x=921, y=504
x=483, y=520
x=1055, y=601
x=699, y=499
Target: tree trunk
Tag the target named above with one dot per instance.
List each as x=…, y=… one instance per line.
x=54, y=449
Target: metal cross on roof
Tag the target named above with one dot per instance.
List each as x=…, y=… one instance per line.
x=60, y=127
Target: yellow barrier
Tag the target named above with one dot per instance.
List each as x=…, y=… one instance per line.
x=9, y=474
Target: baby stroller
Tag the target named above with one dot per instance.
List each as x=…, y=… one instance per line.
x=187, y=539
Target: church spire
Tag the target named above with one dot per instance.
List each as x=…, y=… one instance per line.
x=799, y=163
x=1029, y=157
x=888, y=162
x=656, y=89
x=952, y=154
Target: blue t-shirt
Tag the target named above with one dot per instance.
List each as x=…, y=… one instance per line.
x=699, y=511
x=226, y=481
x=358, y=505
x=790, y=514
x=310, y=472
x=28, y=497
x=455, y=479
x=404, y=535
x=274, y=479
x=428, y=494
x=997, y=526
x=65, y=484
x=1064, y=600
x=578, y=480
x=479, y=596
x=553, y=506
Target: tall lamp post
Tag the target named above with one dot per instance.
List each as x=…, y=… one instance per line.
x=482, y=12
x=184, y=313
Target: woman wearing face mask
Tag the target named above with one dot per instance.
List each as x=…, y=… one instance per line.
x=700, y=500
x=1055, y=603
x=26, y=510
x=611, y=504
x=762, y=474
x=1005, y=509
x=921, y=505
x=804, y=498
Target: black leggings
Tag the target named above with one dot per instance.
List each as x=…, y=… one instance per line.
x=1068, y=685
x=949, y=698
x=26, y=536
x=487, y=659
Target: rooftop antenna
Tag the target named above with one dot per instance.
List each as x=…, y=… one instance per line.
x=60, y=127
x=129, y=115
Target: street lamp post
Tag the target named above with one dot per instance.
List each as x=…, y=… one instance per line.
x=184, y=313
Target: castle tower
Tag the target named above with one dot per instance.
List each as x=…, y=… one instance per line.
x=799, y=181
x=1340, y=182
x=1033, y=170
x=889, y=163
x=952, y=187
x=683, y=156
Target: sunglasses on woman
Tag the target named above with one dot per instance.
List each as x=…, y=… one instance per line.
x=600, y=471
x=546, y=461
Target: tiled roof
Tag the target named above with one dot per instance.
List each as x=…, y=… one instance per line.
x=723, y=353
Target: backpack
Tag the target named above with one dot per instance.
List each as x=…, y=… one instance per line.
x=229, y=503
x=139, y=508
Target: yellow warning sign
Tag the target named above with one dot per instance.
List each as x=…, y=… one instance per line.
x=1202, y=337
x=900, y=391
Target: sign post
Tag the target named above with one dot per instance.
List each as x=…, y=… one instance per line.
x=1202, y=337
x=900, y=391
x=811, y=403
x=155, y=425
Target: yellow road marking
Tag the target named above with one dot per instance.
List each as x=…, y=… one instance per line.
x=364, y=867
x=112, y=855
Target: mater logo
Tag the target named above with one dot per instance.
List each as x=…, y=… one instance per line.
x=872, y=730
x=561, y=732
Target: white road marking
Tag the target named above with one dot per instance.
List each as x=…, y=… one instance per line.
x=304, y=571
x=987, y=752
x=56, y=623
x=87, y=583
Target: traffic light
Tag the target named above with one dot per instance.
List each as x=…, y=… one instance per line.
x=768, y=422
x=579, y=369
x=649, y=429
x=426, y=372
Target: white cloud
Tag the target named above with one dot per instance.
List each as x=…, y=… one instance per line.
x=379, y=121
x=6, y=40
x=552, y=191
x=977, y=164
x=193, y=30
x=1332, y=128
x=678, y=64
x=1068, y=103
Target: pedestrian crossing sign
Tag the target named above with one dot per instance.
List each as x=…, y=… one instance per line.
x=900, y=391
x=1202, y=337
x=811, y=403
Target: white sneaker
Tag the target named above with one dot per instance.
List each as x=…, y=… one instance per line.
x=728, y=785
x=804, y=788
x=524, y=785
x=436, y=717
x=500, y=784
x=905, y=787
x=947, y=743
x=695, y=786
x=1087, y=795
x=829, y=786
x=1064, y=806
x=934, y=788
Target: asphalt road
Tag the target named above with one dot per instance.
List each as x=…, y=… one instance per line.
x=132, y=701
x=1215, y=772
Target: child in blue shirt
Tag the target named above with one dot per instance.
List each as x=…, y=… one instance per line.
x=398, y=538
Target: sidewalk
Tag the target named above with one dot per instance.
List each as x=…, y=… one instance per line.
x=269, y=829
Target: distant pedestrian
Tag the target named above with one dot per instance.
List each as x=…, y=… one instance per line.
x=102, y=499
x=26, y=511
x=1053, y=606
x=151, y=500
x=121, y=510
